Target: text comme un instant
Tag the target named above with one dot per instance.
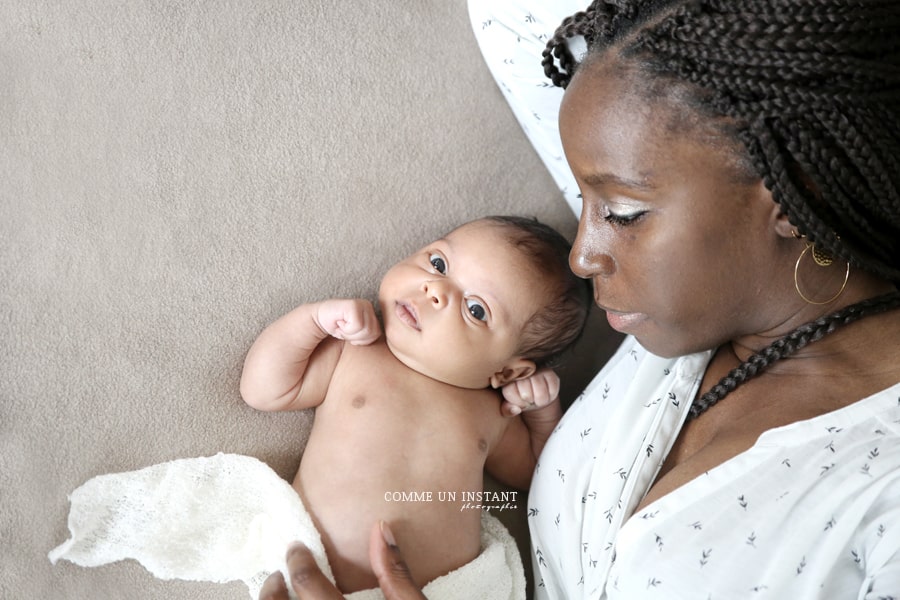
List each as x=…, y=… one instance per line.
x=498, y=501
x=444, y=496
x=486, y=501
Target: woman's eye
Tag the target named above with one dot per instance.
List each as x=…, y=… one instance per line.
x=438, y=263
x=476, y=310
x=623, y=220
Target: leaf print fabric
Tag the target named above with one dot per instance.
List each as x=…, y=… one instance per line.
x=608, y=471
x=812, y=510
x=512, y=36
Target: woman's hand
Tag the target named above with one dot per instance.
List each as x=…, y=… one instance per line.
x=310, y=584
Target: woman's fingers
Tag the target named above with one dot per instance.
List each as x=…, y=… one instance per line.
x=307, y=580
x=393, y=574
x=274, y=588
x=309, y=583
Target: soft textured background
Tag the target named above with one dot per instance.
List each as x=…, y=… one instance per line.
x=176, y=174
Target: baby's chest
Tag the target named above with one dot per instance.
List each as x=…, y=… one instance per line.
x=406, y=411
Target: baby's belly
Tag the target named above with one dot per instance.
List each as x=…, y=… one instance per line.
x=430, y=510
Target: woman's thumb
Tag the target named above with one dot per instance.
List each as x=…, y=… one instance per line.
x=394, y=577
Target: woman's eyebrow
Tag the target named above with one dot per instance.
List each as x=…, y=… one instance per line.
x=610, y=179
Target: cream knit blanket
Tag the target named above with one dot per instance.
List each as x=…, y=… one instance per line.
x=230, y=517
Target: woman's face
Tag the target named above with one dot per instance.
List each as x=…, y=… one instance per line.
x=681, y=249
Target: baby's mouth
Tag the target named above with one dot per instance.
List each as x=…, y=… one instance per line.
x=407, y=314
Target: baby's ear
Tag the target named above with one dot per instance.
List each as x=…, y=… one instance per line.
x=517, y=368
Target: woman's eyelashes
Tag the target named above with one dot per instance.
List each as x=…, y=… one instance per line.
x=623, y=219
x=623, y=216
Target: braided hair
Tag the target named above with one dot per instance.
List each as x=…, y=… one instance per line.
x=812, y=90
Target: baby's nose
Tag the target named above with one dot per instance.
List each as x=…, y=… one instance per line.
x=436, y=291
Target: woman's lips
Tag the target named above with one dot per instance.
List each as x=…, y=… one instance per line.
x=407, y=313
x=622, y=322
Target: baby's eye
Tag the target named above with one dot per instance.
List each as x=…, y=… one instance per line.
x=438, y=263
x=476, y=310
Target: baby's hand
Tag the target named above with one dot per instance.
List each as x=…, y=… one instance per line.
x=352, y=320
x=531, y=393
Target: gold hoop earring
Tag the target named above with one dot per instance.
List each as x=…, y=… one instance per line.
x=823, y=258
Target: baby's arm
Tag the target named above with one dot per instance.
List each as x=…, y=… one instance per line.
x=536, y=398
x=290, y=364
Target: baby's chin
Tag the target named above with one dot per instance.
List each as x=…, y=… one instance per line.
x=436, y=372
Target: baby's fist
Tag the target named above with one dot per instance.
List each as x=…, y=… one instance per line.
x=352, y=320
x=530, y=393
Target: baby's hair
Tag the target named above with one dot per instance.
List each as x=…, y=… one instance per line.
x=810, y=89
x=556, y=326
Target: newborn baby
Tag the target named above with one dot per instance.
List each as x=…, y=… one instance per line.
x=408, y=416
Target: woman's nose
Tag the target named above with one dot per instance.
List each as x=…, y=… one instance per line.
x=436, y=292
x=588, y=257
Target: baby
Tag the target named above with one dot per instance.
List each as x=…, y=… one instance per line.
x=415, y=412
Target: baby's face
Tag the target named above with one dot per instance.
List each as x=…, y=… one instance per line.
x=455, y=310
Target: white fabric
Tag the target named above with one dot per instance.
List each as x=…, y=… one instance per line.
x=512, y=36
x=812, y=510
x=230, y=517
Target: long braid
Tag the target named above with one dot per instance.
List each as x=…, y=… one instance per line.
x=791, y=343
x=814, y=88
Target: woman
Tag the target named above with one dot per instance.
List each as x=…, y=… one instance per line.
x=739, y=166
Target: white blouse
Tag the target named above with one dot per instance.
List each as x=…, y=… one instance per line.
x=812, y=510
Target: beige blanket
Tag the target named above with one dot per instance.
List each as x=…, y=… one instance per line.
x=175, y=175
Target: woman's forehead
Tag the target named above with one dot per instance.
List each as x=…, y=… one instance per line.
x=601, y=90
x=612, y=121
x=607, y=131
